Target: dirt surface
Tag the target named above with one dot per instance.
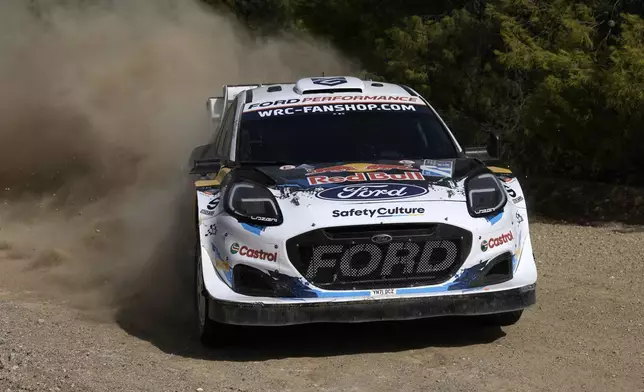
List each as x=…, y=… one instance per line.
x=585, y=334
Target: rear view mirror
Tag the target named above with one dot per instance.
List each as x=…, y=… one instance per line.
x=493, y=147
x=491, y=152
x=203, y=160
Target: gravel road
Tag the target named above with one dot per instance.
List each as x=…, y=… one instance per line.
x=586, y=333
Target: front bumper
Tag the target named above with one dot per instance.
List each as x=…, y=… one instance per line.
x=478, y=303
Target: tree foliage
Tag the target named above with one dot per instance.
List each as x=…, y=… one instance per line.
x=561, y=80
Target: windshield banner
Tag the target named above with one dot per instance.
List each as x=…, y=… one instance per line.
x=281, y=103
x=336, y=108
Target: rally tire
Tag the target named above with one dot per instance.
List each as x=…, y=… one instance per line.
x=205, y=327
x=210, y=333
x=502, y=319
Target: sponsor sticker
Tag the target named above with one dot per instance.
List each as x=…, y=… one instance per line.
x=382, y=212
x=364, y=177
x=513, y=194
x=497, y=241
x=338, y=108
x=367, y=192
x=334, y=98
x=258, y=254
x=234, y=248
x=510, y=191
x=287, y=167
x=435, y=168
x=408, y=163
x=212, y=230
x=264, y=219
x=519, y=218
x=212, y=204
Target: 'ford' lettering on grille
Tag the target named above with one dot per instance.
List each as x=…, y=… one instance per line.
x=372, y=192
x=395, y=260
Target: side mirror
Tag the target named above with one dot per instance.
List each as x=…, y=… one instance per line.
x=203, y=160
x=490, y=152
x=493, y=147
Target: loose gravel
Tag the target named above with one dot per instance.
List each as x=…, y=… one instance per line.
x=586, y=333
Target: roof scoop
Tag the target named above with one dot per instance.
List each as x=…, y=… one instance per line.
x=329, y=85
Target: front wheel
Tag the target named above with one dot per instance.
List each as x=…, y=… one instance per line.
x=211, y=333
x=205, y=326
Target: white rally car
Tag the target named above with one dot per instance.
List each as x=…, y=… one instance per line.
x=335, y=199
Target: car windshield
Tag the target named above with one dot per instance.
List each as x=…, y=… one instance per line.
x=342, y=133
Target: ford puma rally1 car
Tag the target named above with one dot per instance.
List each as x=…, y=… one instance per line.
x=335, y=199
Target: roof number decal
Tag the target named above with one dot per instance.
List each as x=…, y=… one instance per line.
x=333, y=81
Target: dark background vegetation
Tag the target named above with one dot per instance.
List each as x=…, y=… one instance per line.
x=561, y=80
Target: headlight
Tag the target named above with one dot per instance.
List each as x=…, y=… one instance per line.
x=252, y=203
x=485, y=195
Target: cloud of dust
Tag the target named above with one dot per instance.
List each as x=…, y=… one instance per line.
x=101, y=103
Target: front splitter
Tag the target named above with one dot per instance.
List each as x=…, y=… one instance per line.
x=479, y=303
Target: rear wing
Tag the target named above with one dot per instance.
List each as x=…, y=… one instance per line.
x=218, y=105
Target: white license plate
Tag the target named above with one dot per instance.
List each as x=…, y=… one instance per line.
x=382, y=292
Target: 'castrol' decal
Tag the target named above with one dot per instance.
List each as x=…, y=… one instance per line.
x=498, y=241
x=364, y=192
x=243, y=250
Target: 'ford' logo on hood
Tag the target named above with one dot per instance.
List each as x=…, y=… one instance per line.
x=378, y=192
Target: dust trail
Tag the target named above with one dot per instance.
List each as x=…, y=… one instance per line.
x=101, y=103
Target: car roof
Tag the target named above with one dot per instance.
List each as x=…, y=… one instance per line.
x=325, y=85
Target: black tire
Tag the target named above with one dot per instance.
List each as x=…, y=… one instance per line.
x=502, y=319
x=204, y=326
x=210, y=333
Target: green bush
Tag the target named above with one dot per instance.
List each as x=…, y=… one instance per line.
x=561, y=80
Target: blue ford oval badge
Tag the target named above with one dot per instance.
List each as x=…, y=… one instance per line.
x=378, y=192
x=381, y=238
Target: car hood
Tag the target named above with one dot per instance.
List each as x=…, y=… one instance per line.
x=412, y=180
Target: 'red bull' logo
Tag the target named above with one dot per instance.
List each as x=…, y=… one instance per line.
x=363, y=177
x=359, y=168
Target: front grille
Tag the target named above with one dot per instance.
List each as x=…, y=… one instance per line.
x=345, y=258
